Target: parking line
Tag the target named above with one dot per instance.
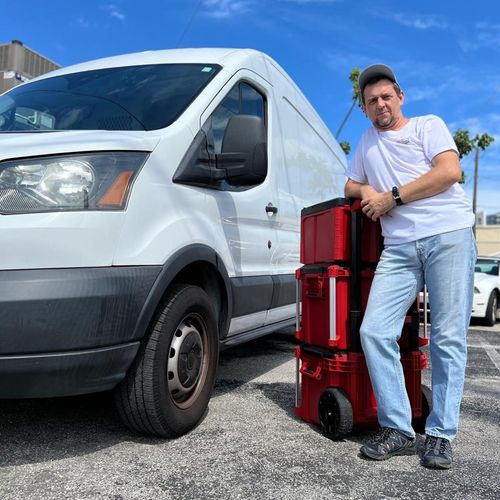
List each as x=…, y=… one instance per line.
x=489, y=349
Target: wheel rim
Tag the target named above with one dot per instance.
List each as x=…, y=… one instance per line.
x=329, y=413
x=186, y=365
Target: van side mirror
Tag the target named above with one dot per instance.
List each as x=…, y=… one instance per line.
x=244, y=151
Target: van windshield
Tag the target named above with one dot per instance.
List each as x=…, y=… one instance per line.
x=147, y=97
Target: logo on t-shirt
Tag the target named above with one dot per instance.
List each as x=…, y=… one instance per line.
x=404, y=140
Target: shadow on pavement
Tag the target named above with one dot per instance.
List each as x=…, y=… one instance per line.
x=42, y=430
x=241, y=364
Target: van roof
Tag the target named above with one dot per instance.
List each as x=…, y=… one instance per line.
x=224, y=56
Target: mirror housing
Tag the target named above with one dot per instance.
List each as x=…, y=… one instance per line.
x=244, y=151
x=243, y=161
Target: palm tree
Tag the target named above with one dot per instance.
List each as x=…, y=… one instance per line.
x=465, y=144
x=356, y=98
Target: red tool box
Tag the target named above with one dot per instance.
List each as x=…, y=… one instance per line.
x=325, y=293
x=334, y=390
x=340, y=248
x=324, y=230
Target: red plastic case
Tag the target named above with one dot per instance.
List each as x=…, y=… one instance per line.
x=325, y=232
x=371, y=241
x=348, y=371
x=325, y=296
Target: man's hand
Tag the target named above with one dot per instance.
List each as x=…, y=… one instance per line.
x=376, y=204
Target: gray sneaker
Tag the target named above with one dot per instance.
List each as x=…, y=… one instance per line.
x=438, y=454
x=388, y=443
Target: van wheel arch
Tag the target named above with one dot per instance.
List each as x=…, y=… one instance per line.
x=197, y=265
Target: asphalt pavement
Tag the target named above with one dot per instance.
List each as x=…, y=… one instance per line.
x=250, y=445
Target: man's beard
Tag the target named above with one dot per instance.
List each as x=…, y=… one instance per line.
x=384, y=122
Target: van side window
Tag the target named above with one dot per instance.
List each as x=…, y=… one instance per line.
x=252, y=102
x=243, y=99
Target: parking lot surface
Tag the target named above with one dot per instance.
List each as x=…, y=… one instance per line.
x=249, y=445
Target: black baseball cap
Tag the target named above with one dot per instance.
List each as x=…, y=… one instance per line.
x=375, y=70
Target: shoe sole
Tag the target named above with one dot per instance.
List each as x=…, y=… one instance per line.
x=375, y=456
x=433, y=464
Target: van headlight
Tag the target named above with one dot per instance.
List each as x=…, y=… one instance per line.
x=96, y=181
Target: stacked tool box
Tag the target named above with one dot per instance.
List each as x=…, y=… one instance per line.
x=340, y=248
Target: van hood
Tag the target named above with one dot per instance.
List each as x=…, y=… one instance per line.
x=29, y=144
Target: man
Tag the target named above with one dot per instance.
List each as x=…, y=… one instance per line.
x=405, y=171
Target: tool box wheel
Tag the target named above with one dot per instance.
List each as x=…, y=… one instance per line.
x=335, y=414
x=419, y=422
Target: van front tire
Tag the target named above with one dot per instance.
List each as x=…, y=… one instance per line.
x=167, y=389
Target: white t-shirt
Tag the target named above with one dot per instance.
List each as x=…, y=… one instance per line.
x=395, y=158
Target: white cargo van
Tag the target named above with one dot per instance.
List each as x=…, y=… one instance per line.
x=149, y=215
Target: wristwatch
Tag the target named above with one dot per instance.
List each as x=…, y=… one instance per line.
x=396, y=196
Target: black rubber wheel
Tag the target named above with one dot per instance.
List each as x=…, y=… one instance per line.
x=491, y=310
x=419, y=422
x=335, y=414
x=167, y=389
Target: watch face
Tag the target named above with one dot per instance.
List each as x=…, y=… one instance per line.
x=396, y=195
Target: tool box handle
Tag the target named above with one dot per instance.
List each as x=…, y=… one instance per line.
x=306, y=371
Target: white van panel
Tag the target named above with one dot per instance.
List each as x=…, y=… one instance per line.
x=23, y=145
x=247, y=229
x=308, y=169
x=59, y=240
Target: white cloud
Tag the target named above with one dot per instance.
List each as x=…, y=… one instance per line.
x=114, y=11
x=413, y=20
x=489, y=123
x=415, y=94
x=486, y=36
x=489, y=162
x=84, y=23
x=304, y=2
x=342, y=61
x=223, y=9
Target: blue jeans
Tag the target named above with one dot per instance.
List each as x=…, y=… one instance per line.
x=445, y=263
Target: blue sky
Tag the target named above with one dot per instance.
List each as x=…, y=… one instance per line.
x=446, y=54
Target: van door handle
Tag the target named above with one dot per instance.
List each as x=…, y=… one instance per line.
x=271, y=209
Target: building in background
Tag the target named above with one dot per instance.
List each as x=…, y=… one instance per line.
x=493, y=219
x=488, y=240
x=19, y=64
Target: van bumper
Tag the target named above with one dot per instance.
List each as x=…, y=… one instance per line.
x=69, y=331
x=64, y=374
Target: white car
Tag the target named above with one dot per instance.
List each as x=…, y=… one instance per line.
x=485, y=304
x=486, y=290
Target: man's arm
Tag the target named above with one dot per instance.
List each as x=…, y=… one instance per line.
x=444, y=173
x=359, y=190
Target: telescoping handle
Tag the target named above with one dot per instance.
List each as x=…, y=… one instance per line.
x=333, y=308
x=298, y=383
x=426, y=333
x=298, y=300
